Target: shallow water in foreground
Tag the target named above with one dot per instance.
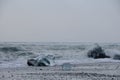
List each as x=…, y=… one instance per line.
x=89, y=71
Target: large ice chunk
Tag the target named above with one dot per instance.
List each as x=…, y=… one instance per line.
x=97, y=52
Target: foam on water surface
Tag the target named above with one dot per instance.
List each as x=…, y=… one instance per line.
x=73, y=53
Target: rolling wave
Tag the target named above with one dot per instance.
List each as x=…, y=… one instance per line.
x=19, y=53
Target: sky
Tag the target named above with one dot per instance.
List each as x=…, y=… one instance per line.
x=59, y=21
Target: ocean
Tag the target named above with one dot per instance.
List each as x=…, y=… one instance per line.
x=16, y=54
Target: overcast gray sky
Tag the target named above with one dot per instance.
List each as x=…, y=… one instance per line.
x=60, y=20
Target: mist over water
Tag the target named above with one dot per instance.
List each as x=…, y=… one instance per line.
x=60, y=21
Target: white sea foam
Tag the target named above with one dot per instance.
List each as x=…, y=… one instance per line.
x=73, y=53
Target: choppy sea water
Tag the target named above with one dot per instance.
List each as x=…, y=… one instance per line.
x=16, y=54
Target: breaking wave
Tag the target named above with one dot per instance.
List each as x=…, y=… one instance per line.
x=17, y=54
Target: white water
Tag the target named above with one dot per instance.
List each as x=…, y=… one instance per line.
x=73, y=53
